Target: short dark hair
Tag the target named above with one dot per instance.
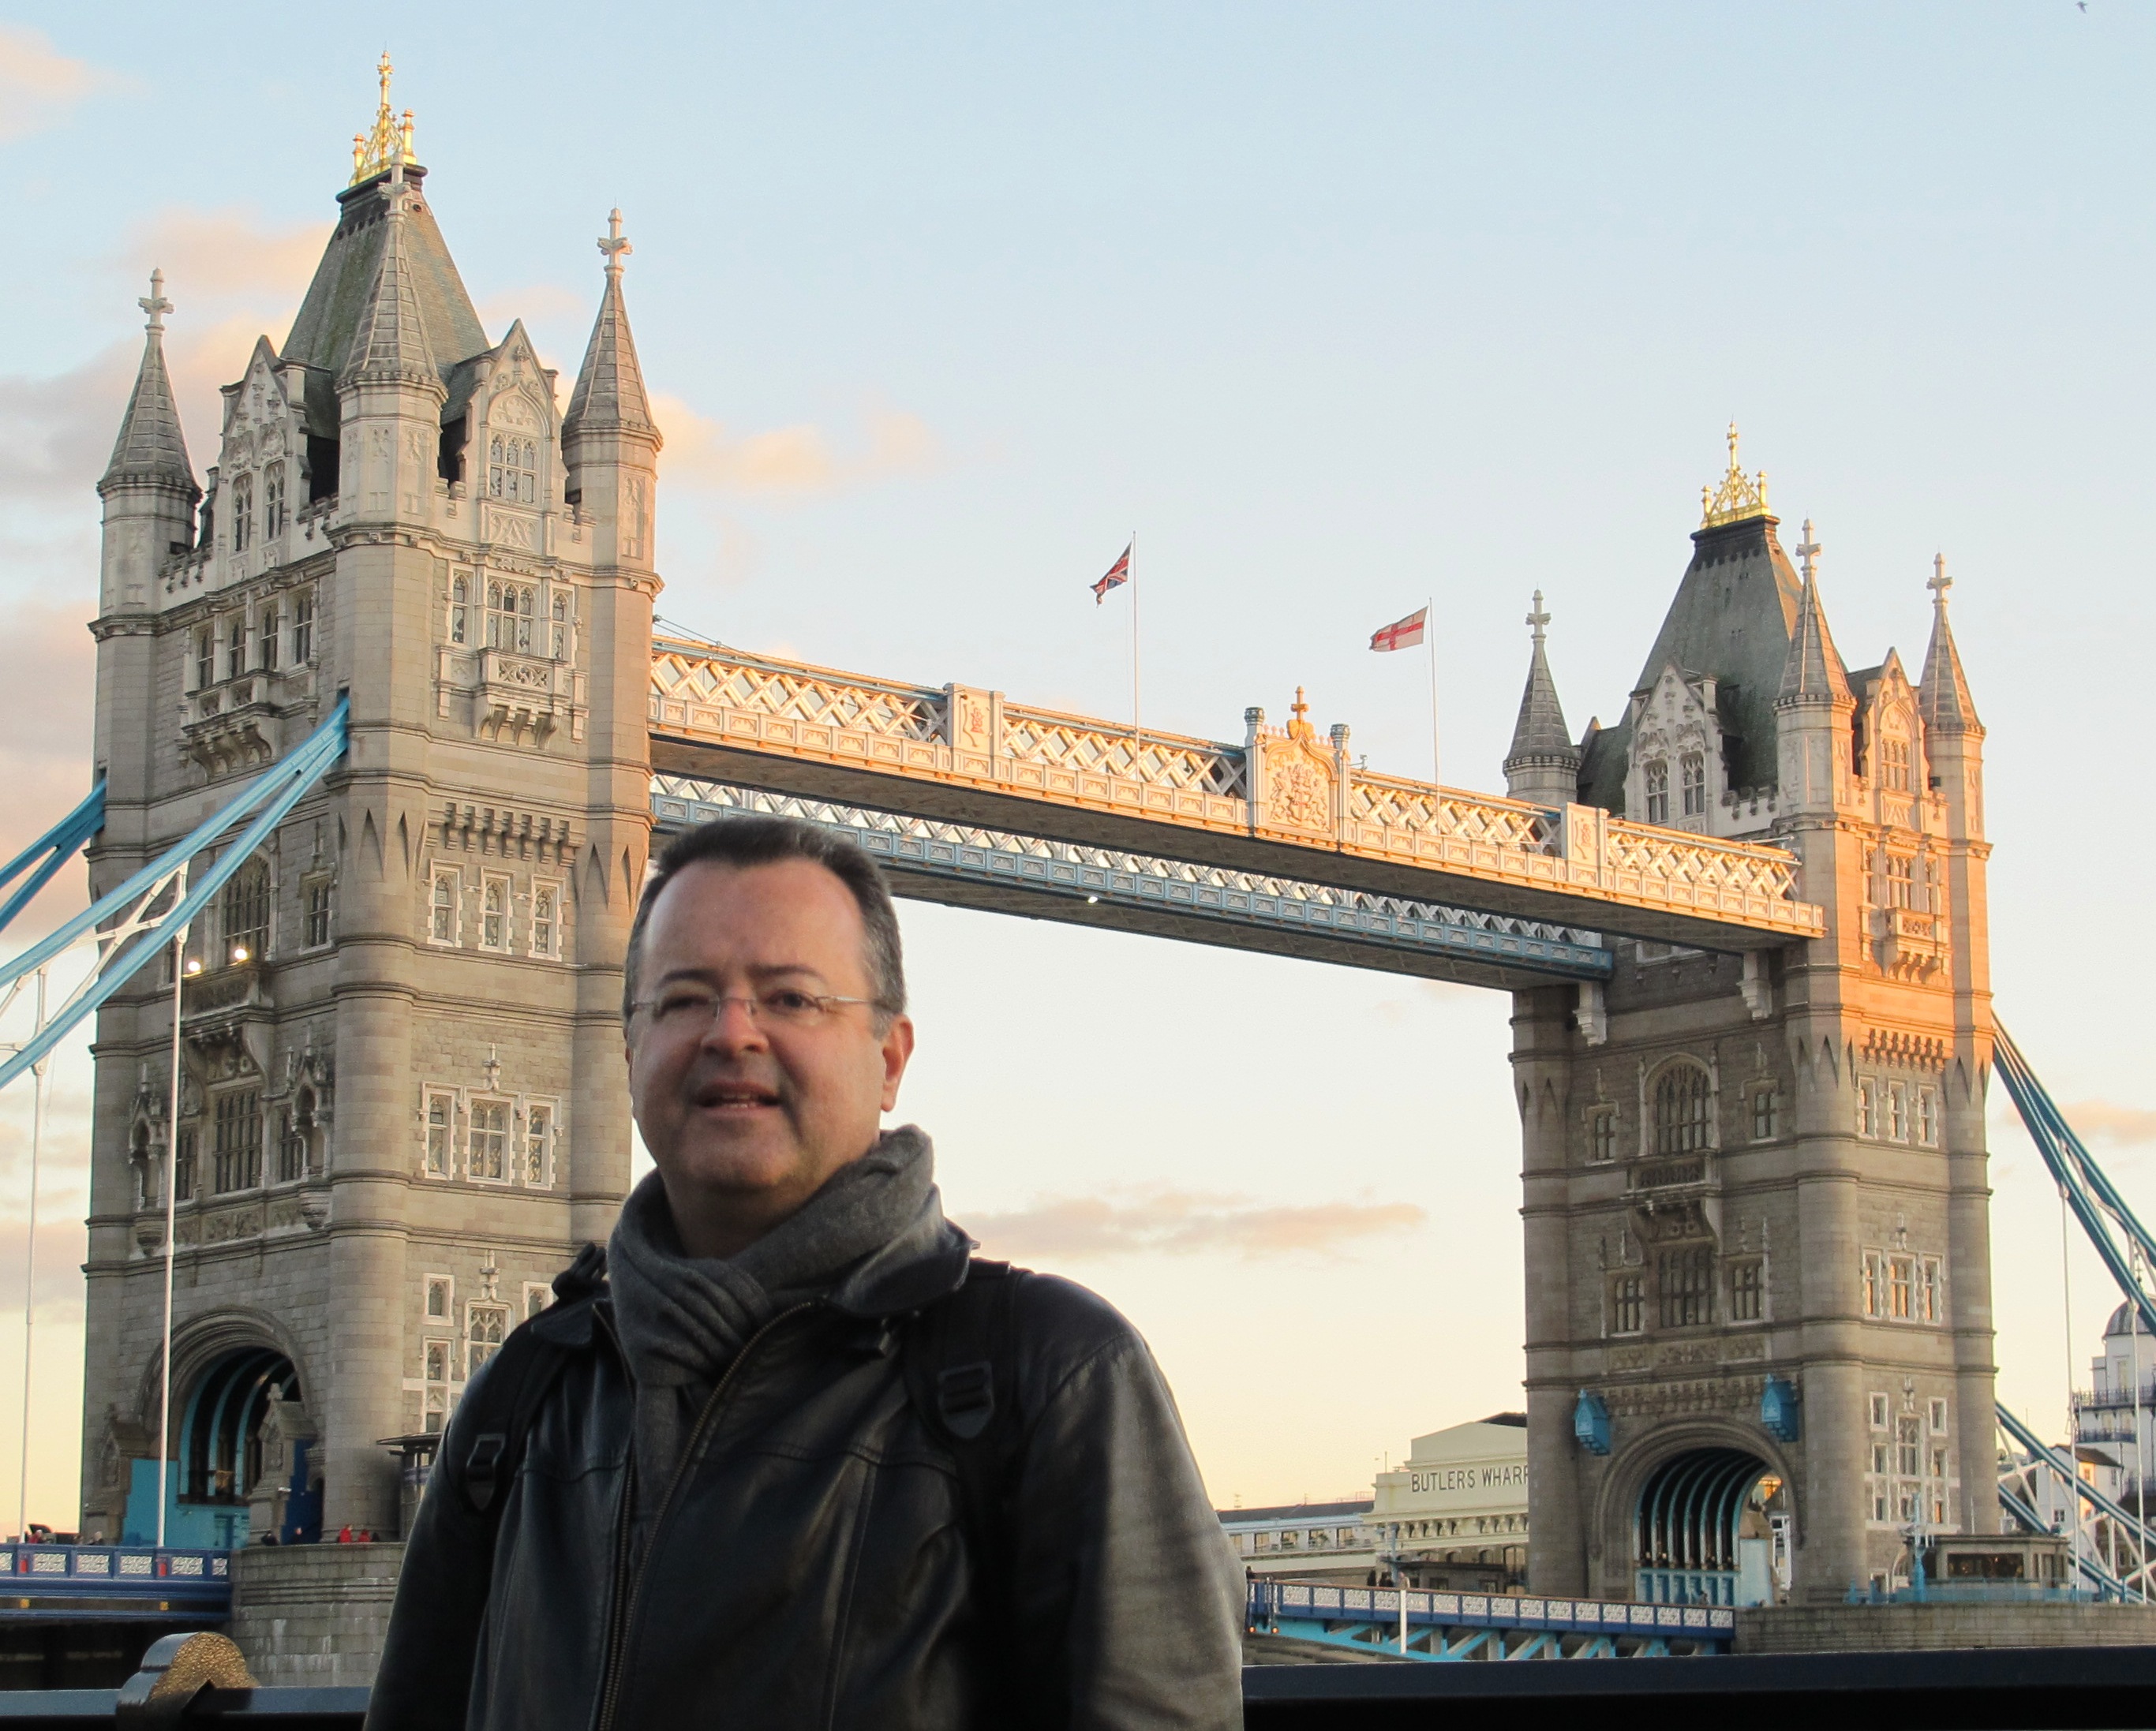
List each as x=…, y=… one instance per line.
x=755, y=840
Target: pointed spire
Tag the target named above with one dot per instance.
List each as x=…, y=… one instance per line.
x=609, y=393
x=390, y=343
x=150, y=448
x=1942, y=694
x=1814, y=672
x=1543, y=761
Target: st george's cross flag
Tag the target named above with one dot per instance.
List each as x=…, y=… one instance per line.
x=1119, y=573
x=1402, y=633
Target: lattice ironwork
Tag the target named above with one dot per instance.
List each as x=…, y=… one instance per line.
x=1073, y=743
x=1115, y=876
x=974, y=738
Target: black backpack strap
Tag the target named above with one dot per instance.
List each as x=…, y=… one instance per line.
x=960, y=1355
x=518, y=1378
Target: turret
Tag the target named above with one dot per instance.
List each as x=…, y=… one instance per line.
x=391, y=392
x=1543, y=764
x=609, y=441
x=149, y=488
x=1813, y=710
x=1954, y=738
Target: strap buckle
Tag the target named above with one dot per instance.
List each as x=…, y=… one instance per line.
x=966, y=1398
x=480, y=1467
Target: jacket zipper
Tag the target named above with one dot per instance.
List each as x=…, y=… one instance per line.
x=625, y=1602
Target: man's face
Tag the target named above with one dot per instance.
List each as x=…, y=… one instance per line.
x=746, y=1116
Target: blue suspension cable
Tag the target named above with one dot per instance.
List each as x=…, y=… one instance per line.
x=321, y=749
x=59, y=845
x=298, y=774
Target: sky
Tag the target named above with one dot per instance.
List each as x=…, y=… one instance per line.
x=1340, y=309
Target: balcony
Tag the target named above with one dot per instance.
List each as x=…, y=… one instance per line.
x=1909, y=945
x=238, y=725
x=516, y=698
x=218, y=1007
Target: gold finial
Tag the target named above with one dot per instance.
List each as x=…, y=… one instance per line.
x=1738, y=496
x=1299, y=707
x=390, y=142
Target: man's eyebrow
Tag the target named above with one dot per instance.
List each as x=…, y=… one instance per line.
x=758, y=971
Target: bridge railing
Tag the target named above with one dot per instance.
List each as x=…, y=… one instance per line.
x=2035, y=1689
x=1290, y=784
x=177, y=1577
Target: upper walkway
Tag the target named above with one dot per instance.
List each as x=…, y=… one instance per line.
x=1288, y=802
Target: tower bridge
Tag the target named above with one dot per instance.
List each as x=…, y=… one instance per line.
x=1744, y=930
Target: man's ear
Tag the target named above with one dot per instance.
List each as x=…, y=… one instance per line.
x=897, y=1051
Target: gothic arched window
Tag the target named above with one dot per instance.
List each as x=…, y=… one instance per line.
x=247, y=913
x=512, y=468
x=1681, y=1107
x=272, y=499
x=1894, y=762
x=1658, y=791
x=560, y=625
x=511, y=609
x=1692, y=769
x=242, y=512
x=460, y=608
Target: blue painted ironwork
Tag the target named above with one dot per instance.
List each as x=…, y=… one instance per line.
x=2095, y=1201
x=1590, y=1422
x=997, y=860
x=1446, y=1626
x=125, y=947
x=51, y=851
x=1778, y=1409
x=1686, y=1526
x=113, y=1583
x=2044, y=1453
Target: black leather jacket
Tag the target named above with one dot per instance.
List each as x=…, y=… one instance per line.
x=807, y=1568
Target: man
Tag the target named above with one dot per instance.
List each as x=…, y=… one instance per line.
x=797, y=1459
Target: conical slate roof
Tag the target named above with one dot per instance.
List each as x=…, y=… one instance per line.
x=1733, y=615
x=609, y=391
x=151, y=447
x=1540, y=732
x=1814, y=672
x=345, y=280
x=389, y=341
x=1942, y=694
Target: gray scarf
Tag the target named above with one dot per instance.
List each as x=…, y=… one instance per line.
x=682, y=1319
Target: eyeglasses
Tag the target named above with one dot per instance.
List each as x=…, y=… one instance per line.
x=685, y=1009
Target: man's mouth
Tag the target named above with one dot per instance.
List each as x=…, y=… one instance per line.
x=735, y=1096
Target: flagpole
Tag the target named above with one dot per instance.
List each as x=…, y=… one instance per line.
x=172, y=1178
x=30, y=1270
x=1429, y=642
x=1135, y=725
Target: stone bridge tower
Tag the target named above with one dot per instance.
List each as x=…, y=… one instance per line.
x=1758, y=1305
x=401, y=1099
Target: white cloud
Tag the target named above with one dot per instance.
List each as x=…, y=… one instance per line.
x=1180, y=1222
x=222, y=254
x=797, y=461
x=40, y=86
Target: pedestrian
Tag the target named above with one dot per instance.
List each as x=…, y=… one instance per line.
x=344, y=1533
x=785, y=1453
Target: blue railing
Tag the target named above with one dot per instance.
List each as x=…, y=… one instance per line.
x=1484, y=1626
x=113, y=1582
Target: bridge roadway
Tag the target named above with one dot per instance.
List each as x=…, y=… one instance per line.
x=1284, y=843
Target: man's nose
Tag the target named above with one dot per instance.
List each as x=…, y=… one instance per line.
x=734, y=1027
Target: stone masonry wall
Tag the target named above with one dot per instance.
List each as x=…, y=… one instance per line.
x=313, y=1614
x=1903, y=1628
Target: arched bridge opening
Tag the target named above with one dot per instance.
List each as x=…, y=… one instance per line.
x=1712, y=1528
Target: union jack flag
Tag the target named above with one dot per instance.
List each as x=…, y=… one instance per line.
x=1402, y=633
x=1119, y=573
